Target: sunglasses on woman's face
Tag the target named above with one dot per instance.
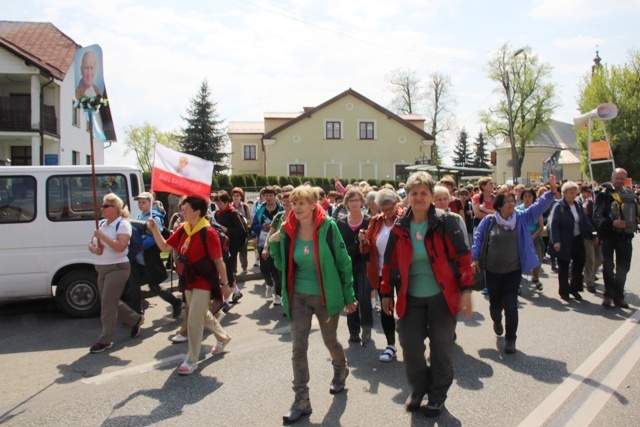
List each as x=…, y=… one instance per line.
x=107, y=206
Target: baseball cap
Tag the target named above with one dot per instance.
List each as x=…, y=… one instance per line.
x=144, y=195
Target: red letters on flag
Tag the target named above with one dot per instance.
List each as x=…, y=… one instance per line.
x=181, y=174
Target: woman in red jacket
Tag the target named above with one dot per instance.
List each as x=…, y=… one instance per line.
x=423, y=246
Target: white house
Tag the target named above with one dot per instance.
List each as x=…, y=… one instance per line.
x=38, y=123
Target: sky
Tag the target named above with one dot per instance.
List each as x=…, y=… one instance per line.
x=282, y=55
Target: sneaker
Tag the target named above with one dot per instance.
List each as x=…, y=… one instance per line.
x=539, y=286
x=268, y=292
x=220, y=345
x=607, y=301
x=179, y=338
x=177, y=308
x=277, y=300
x=498, y=328
x=621, y=304
x=485, y=291
x=236, y=297
x=225, y=308
x=299, y=408
x=354, y=338
x=186, y=368
x=337, y=385
x=510, y=347
x=135, y=330
x=99, y=347
x=433, y=409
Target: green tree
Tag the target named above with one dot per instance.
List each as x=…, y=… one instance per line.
x=204, y=135
x=527, y=100
x=142, y=139
x=481, y=158
x=462, y=155
x=619, y=85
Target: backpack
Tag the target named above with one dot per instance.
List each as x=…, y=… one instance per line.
x=224, y=239
x=135, y=242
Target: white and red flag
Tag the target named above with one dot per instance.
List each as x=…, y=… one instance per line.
x=181, y=174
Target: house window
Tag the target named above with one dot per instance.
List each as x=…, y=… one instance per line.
x=366, y=130
x=333, y=130
x=250, y=152
x=75, y=157
x=75, y=115
x=296, y=170
x=21, y=155
x=88, y=159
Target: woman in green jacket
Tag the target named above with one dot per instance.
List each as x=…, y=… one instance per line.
x=317, y=280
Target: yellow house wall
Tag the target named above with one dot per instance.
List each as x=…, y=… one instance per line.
x=238, y=164
x=305, y=143
x=533, y=161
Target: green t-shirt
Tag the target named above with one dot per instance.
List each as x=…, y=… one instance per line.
x=422, y=282
x=306, y=274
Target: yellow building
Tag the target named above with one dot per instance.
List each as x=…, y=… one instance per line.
x=348, y=135
x=553, y=151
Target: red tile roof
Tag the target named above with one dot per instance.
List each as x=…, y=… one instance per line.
x=41, y=44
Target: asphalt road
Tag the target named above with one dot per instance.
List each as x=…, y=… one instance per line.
x=577, y=364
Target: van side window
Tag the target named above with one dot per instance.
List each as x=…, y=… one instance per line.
x=70, y=197
x=17, y=199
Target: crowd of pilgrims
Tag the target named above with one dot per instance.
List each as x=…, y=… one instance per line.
x=407, y=256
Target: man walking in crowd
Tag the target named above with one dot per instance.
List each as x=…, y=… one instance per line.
x=616, y=216
x=260, y=229
x=147, y=266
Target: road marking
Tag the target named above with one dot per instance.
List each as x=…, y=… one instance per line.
x=548, y=406
x=140, y=369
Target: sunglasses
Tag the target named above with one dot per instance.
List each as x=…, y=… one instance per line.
x=107, y=206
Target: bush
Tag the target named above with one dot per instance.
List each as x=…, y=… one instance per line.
x=284, y=180
x=261, y=181
x=273, y=180
x=295, y=181
x=373, y=181
x=238, y=181
x=250, y=180
x=223, y=181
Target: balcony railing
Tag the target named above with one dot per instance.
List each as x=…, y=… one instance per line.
x=19, y=119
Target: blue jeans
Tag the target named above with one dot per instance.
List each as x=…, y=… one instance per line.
x=503, y=296
x=363, y=316
x=428, y=318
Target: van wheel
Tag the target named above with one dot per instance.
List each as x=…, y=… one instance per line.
x=77, y=294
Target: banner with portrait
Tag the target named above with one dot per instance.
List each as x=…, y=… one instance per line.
x=89, y=77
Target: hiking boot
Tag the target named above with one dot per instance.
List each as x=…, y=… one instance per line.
x=433, y=409
x=337, y=385
x=498, y=328
x=510, y=347
x=299, y=408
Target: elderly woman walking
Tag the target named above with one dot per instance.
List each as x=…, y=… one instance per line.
x=110, y=244
x=509, y=252
x=428, y=263
x=317, y=280
x=569, y=229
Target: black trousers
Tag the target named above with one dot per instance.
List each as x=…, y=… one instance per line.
x=578, y=256
x=619, y=246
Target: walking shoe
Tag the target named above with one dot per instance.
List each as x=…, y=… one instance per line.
x=177, y=308
x=433, y=409
x=186, y=368
x=498, y=328
x=621, y=304
x=510, y=347
x=135, y=330
x=179, y=338
x=299, y=408
x=236, y=297
x=277, y=300
x=539, y=286
x=577, y=296
x=244, y=271
x=607, y=301
x=591, y=289
x=414, y=402
x=220, y=345
x=268, y=292
x=485, y=291
x=354, y=338
x=99, y=347
x=565, y=297
x=337, y=385
x=225, y=308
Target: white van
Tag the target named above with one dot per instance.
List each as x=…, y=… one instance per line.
x=46, y=221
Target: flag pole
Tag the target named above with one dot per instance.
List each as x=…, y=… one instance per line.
x=93, y=168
